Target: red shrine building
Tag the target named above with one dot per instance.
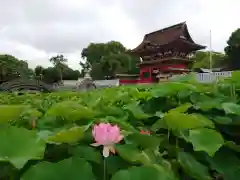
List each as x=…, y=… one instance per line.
x=163, y=53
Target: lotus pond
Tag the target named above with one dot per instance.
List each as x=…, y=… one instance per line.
x=172, y=131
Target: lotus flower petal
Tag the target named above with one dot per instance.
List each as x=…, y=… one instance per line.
x=106, y=135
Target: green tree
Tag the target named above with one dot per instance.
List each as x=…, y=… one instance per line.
x=22, y=68
x=108, y=59
x=11, y=68
x=3, y=67
x=232, y=50
x=202, y=60
x=59, y=63
x=51, y=74
x=38, y=71
x=69, y=74
x=95, y=51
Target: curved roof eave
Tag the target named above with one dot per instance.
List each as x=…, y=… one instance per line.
x=184, y=30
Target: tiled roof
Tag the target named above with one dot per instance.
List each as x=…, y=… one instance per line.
x=167, y=35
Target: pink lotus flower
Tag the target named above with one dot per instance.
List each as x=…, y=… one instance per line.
x=106, y=135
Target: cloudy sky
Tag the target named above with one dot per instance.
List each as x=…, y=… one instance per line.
x=35, y=30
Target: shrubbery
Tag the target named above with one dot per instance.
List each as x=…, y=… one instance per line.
x=192, y=133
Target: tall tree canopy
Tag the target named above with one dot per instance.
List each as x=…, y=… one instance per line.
x=51, y=74
x=38, y=70
x=202, y=60
x=11, y=67
x=59, y=63
x=233, y=50
x=108, y=59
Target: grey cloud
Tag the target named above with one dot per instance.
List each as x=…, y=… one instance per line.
x=200, y=15
x=53, y=26
x=63, y=37
x=154, y=13
x=69, y=25
x=44, y=11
